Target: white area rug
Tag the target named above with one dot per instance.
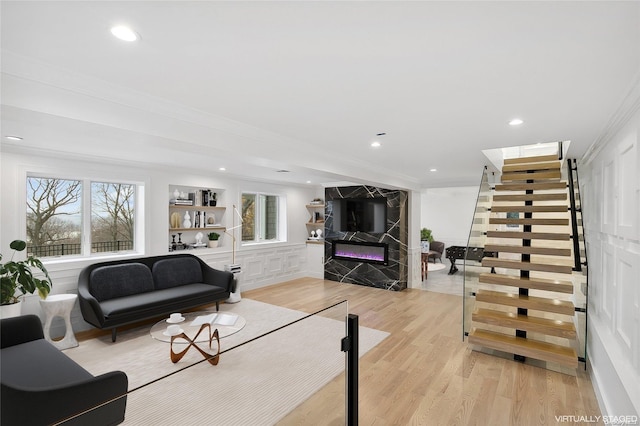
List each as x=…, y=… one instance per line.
x=435, y=266
x=257, y=383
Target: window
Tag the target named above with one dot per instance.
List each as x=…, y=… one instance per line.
x=261, y=217
x=79, y=217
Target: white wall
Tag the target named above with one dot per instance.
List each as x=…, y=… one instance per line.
x=610, y=187
x=261, y=264
x=448, y=212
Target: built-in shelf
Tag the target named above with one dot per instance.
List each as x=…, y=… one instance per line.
x=315, y=241
x=205, y=230
x=198, y=208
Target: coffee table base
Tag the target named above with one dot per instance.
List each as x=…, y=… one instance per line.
x=213, y=360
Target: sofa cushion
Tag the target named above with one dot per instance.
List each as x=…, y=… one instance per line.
x=39, y=365
x=145, y=303
x=113, y=281
x=176, y=271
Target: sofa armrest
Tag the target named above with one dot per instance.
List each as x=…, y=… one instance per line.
x=105, y=397
x=89, y=305
x=224, y=279
x=22, y=329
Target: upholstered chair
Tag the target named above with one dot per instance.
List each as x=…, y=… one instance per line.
x=436, y=248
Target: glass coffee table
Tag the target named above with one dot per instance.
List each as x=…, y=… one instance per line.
x=227, y=324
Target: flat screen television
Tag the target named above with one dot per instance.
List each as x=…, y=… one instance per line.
x=360, y=215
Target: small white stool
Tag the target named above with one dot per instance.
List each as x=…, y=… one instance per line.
x=59, y=305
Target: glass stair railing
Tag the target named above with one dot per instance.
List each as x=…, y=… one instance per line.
x=524, y=290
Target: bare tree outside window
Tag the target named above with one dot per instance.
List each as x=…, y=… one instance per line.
x=112, y=216
x=259, y=217
x=248, y=217
x=56, y=220
x=53, y=215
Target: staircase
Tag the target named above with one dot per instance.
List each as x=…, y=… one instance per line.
x=536, y=258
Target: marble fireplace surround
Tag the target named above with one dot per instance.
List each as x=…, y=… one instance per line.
x=391, y=276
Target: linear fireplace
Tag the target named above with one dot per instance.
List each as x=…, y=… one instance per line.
x=360, y=251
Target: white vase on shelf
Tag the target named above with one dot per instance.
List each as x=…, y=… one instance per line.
x=186, y=223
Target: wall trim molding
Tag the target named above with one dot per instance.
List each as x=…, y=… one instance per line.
x=625, y=112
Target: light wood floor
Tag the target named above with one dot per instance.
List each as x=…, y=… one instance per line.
x=423, y=373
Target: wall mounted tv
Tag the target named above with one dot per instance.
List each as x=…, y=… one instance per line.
x=360, y=215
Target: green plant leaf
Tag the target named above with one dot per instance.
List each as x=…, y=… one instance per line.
x=18, y=245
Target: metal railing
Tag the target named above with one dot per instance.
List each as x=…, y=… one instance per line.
x=65, y=249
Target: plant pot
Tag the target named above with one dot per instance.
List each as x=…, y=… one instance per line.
x=213, y=244
x=10, y=311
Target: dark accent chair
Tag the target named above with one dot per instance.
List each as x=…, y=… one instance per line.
x=436, y=248
x=40, y=385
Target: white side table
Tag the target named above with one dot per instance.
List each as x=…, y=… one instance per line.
x=59, y=305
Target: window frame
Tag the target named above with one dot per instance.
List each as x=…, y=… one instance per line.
x=281, y=228
x=139, y=239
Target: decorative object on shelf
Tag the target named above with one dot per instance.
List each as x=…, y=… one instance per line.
x=317, y=201
x=176, y=193
x=213, y=239
x=186, y=223
x=211, y=220
x=313, y=235
x=17, y=276
x=179, y=245
x=213, y=199
x=319, y=233
x=199, y=242
x=175, y=220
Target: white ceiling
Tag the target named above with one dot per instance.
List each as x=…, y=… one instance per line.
x=305, y=86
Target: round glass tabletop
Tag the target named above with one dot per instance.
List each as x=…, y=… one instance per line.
x=227, y=324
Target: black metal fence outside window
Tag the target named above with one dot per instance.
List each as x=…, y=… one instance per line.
x=48, y=250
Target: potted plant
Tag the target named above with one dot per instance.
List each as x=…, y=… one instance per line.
x=16, y=280
x=425, y=238
x=213, y=239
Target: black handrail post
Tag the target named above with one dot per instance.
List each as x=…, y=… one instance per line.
x=350, y=345
x=574, y=219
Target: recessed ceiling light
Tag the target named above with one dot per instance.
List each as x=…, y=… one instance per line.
x=222, y=169
x=375, y=144
x=308, y=181
x=13, y=138
x=515, y=122
x=433, y=170
x=124, y=33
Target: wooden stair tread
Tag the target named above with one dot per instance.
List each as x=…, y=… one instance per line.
x=530, y=209
x=526, y=347
x=529, y=235
x=535, y=159
x=535, y=186
x=530, y=283
x=507, y=177
x=551, y=251
x=530, y=323
x=528, y=221
x=526, y=266
x=531, y=197
x=538, y=165
x=557, y=306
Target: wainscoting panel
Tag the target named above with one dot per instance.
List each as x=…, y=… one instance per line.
x=609, y=289
x=628, y=308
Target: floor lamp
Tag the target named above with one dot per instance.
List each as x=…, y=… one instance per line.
x=234, y=267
